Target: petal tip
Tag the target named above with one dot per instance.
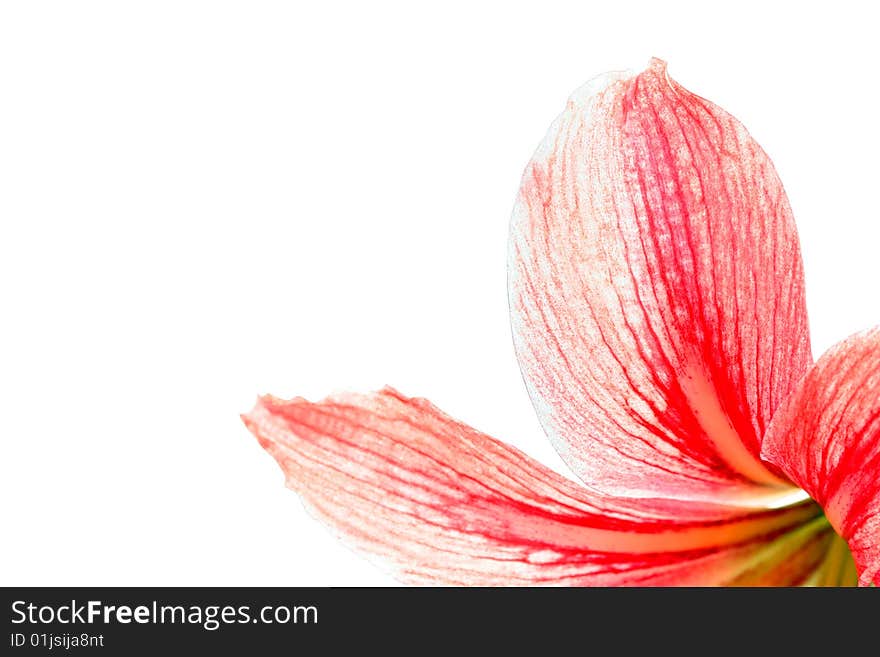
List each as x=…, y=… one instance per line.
x=257, y=419
x=657, y=65
x=658, y=70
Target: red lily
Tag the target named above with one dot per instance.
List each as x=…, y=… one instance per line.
x=657, y=301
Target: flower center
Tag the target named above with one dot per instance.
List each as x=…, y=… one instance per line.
x=813, y=547
x=838, y=568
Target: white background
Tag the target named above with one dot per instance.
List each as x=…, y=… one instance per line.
x=201, y=202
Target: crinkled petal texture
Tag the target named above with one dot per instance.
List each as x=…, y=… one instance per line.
x=656, y=292
x=826, y=437
x=442, y=503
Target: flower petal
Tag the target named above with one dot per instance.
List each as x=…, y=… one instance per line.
x=826, y=437
x=656, y=291
x=440, y=502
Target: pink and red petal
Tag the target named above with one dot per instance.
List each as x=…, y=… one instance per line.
x=826, y=437
x=656, y=291
x=439, y=502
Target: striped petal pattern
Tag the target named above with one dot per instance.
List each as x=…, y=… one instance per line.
x=656, y=291
x=827, y=439
x=441, y=503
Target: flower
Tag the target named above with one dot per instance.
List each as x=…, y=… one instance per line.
x=657, y=304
